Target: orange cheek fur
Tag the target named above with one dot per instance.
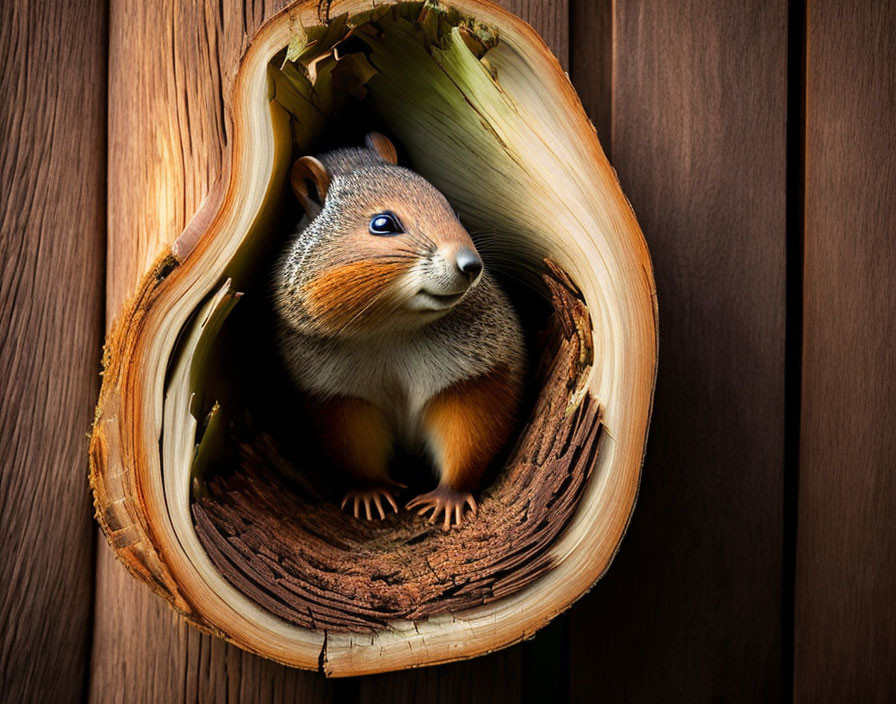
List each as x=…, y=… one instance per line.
x=353, y=294
x=468, y=424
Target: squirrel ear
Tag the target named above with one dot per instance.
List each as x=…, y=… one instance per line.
x=311, y=169
x=382, y=145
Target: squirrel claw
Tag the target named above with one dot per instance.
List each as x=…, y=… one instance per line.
x=369, y=499
x=443, y=500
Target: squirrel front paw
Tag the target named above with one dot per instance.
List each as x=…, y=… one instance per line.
x=442, y=499
x=370, y=498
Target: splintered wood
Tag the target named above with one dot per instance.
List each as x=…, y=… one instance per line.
x=285, y=543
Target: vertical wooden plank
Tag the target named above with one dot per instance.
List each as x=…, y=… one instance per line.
x=550, y=18
x=690, y=610
x=171, y=64
x=52, y=171
x=500, y=676
x=492, y=678
x=845, y=634
x=591, y=63
x=166, y=130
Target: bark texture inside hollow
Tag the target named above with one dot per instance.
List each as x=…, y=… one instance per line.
x=277, y=534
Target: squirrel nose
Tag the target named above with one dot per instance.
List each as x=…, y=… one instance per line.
x=468, y=262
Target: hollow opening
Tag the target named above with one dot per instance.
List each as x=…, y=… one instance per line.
x=264, y=499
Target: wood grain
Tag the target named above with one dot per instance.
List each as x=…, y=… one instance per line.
x=845, y=631
x=690, y=610
x=591, y=63
x=493, y=678
x=52, y=177
x=171, y=65
x=550, y=18
x=143, y=652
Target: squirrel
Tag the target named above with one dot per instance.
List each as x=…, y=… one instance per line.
x=395, y=332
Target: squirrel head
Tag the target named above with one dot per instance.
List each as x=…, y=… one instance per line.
x=384, y=250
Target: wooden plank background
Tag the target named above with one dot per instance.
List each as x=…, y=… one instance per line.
x=690, y=611
x=845, y=641
x=52, y=211
x=757, y=146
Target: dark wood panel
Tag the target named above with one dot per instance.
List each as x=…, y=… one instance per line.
x=591, y=62
x=550, y=18
x=171, y=64
x=845, y=635
x=690, y=610
x=52, y=210
x=493, y=678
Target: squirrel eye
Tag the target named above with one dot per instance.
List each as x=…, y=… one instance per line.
x=385, y=224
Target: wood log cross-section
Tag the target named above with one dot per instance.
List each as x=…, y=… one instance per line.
x=485, y=112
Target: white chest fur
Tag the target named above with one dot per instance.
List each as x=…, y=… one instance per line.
x=399, y=375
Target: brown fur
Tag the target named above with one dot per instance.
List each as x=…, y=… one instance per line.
x=468, y=423
x=356, y=434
